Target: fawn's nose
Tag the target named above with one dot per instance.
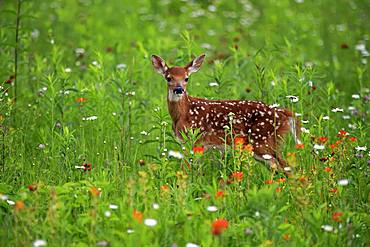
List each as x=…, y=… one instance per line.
x=178, y=90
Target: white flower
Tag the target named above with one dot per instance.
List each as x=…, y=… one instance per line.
x=79, y=167
x=35, y=33
x=3, y=197
x=351, y=108
x=360, y=47
x=39, y=242
x=102, y=243
x=212, y=208
x=304, y=130
x=326, y=118
x=150, y=222
x=155, y=206
x=318, y=147
x=310, y=83
x=346, y=117
x=213, y=84
x=191, y=245
x=257, y=214
x=358, y=148
x=113, y=206
x=206, y=46
x=121, y=66
x=298, y=114
x=79, y=51
x=304, y=121
x=327, y=228
x=293, y=98
x=267, y=156
x=144, y=133
x=337, y=109
x=41, y=146
x=129, y=231
x=355, y=96
x=175, y=154
x=107, y=214
x=10, y=202
x=92, y=118
x=68, y=70
x=343, y=182
x=287, y=169
x=212, y=8
x=44, y=89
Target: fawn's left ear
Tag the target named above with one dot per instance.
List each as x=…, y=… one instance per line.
x=194, y=65
x=159, y=64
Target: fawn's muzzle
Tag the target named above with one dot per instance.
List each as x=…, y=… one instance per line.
x=178, y=90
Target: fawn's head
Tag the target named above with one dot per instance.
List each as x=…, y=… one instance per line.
x=177, y=77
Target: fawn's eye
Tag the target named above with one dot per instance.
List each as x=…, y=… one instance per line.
x=186, y=79
x=168, y=79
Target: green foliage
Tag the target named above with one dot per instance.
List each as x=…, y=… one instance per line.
x=87, y=152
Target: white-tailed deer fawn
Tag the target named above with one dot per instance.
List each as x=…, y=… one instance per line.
x=261, y=125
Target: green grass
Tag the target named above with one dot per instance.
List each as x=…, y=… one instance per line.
x=256, y=50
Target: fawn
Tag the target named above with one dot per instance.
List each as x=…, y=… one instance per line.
x=261, y=125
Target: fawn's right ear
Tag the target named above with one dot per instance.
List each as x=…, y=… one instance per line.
x=159, y=64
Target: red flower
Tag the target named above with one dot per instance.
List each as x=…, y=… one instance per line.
x=332, y=146
x=342, y=133
x=323, y=139
x=353, y=139
x=81, y=100
x=198, y=150
x=87, y=167
x=281, y=180
x=219, y=225
x=32, y=187
x=328, y=169
x=336, y=216
x=94, y=191
x=302, y=179
x=238, y=176
x=220, y=194
x=164, y=187
x=299, y=146
x=333, y=190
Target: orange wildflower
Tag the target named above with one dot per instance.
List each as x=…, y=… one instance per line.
x=238, y=176
x=299, y=146
x=278, y=190
x=336, y=216
x=19, y=205
x=198, y=150
x=32, y=187
x=269, y=181
x=81, y=100
x=248, y=148
x=353, y=139
x=219, y=225
x=94, y=191
x=323, y=139
x=338, y=142
x=164, y=187
x=239, y=141
x=302, y=179
x=332, y=146
x=333, y=190
x=138, y=216
x=219, y=194
x=328, y=169
x=286, y=237
x=281, y=180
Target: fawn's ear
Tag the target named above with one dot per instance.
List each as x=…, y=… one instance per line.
x=194, y=65
x=159, y=64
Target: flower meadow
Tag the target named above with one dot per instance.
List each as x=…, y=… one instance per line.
x=87, y=152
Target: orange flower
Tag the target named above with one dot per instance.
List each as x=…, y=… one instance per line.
x=81, y=100
x=94, y=191
x=198, y=150
x=239, y=141
x=219, y=225
x=336, y=216
x=286, y=237
x=269, y=181
x=19, y=205
x=138, y=216
x=332, y=146
x=220, y=194
x=338, y=142
x=323, y=139
x=328, y=169
x=333, y=190
x=248, y=148
x=299, y=146
x=281, y=180
x=302, y=179
x=164, y=187
x=238, y=176
x=278, y=190
x=353, y=139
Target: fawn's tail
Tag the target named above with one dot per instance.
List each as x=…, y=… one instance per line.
x=295, y=126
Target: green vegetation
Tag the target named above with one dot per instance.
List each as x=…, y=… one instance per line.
x=85, y=134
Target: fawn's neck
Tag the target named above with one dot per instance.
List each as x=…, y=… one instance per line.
x=179, y=108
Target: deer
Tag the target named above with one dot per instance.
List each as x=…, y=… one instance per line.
x=261, y=125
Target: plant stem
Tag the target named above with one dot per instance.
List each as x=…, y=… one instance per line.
x=19, y=3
